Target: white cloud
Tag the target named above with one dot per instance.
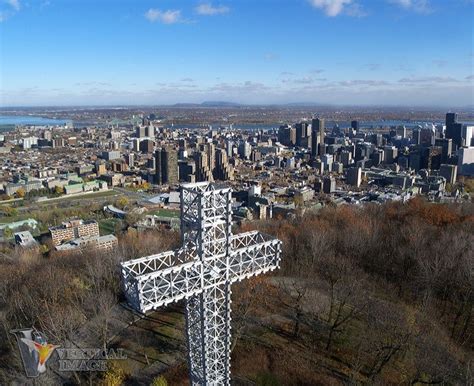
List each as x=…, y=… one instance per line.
x=420, y=6
x=331, y=7
x=170, y=16
x=270, y=56
x=15, y=4
x=12, y=7
x=428, y=79
x=303, y=80
x=208, y=9
x=359, y=82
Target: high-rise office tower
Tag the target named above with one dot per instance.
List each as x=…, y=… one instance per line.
x=245, y=149
x=416, y=135
x=454, y=130
x=203, y=172
x=166, y=162
x=209, y=149
x=223, y=171
x=451, y=118
x=345, y=157
x=301, y=133
x=130, y=159
x=287, y=135
x=354, y=176
x=449, y=172
x=431, y=157
x=314, y=144
x=390, y=154
x=427, y=136
x=446, y=145
x=187, y=171
x=150, y=131
x=292, y=136
x=402, y=131
x=230, y=148
x=329, y=184
x=467, y=134
x=317, y=126
x=140, y=132
x=146, y=146
x=466, y=161
x=355, y=125
x=322, y=134
x=284, y=135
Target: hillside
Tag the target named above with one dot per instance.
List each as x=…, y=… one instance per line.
x=373, y=295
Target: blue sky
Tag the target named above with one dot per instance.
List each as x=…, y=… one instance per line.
x=358, y=52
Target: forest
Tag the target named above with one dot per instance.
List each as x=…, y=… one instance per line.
x=374, y=294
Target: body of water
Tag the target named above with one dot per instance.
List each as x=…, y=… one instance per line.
x=8, y=120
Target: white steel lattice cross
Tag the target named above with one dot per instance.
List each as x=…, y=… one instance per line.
x=202, y=271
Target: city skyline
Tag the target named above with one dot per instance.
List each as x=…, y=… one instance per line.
x=329, y=52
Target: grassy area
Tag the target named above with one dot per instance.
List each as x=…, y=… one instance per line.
x=107, y=227
x=82, y=196
x=19, y=217
x=13, y=200
x=166, y=213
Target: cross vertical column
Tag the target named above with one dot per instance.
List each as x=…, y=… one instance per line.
x=206, y=220
x=201, y=271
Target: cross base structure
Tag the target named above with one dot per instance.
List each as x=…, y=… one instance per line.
x=201, y=272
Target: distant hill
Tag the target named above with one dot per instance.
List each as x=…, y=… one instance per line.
x=185, y=105
x=208, y=104
x=219, y=104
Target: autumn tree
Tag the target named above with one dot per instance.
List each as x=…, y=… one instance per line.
x=20, y=193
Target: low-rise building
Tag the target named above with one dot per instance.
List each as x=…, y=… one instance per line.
x=25, y=239
x=105, y=243
x=73, y=229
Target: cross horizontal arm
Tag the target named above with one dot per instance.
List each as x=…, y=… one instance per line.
x=253, y=253
x=136, y=271
x=157, y=280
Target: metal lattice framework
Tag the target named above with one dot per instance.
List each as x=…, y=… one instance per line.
x=202, y=271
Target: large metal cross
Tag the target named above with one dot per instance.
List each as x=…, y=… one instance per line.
x=202, y=271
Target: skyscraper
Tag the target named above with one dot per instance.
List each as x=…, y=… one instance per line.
x=150, y=131
x=244, y=149
x=402, y=131
x=203, y=172
x=416, y=135
x=223, y=171
x=427, y=136
x=355, y=125
x=317, y=125
x=454, y=130
x=449, y=172
x=467, y=135
x=146, y=146
x=140, y=132
x=301, y=133
x=314, y=144
x=451, y=118
x=284, y=135
x=354, y=176
x=446, y=144
x=166, y=162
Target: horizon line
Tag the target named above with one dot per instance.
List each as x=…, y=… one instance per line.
x=217, y=104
